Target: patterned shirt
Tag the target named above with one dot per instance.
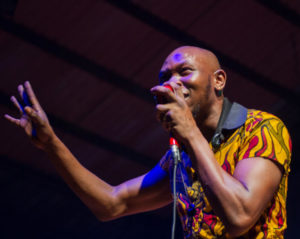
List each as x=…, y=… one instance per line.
x=250, y=133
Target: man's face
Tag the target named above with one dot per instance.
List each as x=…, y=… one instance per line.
x=189, y=70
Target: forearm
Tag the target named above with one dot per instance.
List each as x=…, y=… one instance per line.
x=227, y=195
x=94, y=192
x=105, y=201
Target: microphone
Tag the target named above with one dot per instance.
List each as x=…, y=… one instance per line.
x=176, y=158
x=174, y=145
x=173, y=142
x=163, y=100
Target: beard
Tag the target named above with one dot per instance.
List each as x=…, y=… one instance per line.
x=201, y=110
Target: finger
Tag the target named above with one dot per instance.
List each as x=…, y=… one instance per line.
x=33, y=115
x=163, y=113
x=12, y=119
x=174, y=86
x=24, y=95
x=26, y=99
x=161, y=91
x=17, y=104
x=177, y=89
x=21, y=90
x=35, y=103
x=163, y=108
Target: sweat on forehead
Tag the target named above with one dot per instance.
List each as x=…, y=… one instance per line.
x=184, y=53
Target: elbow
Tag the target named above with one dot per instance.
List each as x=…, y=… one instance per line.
x=102, y=215
x=113, y=212
x=106, y=217
x=109, y=208
x=239, y=226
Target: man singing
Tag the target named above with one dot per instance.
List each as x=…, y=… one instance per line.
x=232, y=177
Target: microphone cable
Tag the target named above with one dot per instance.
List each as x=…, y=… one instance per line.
x=174, y=146
x=176, y=159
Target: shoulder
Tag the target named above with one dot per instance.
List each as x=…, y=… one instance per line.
x=258, y=120
x=265, y=135
x=255, y=118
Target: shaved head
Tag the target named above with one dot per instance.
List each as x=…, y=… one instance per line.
x=197, y=71
x=205, y=58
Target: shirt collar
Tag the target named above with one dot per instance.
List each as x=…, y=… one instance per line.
x=236, y=117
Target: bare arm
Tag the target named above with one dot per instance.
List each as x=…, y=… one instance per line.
x=238, y=199
x=144, y=193
x=147, y=192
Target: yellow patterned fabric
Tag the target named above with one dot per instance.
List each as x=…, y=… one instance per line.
x=262, y=135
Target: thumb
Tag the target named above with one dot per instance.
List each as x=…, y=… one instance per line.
x=33, y=115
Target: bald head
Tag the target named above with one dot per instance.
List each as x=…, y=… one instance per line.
x=204, y=58
x=197, y=71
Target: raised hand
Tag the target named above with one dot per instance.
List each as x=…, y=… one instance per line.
x=32, y=119
x=174, y=114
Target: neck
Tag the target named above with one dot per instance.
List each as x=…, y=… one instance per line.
x=208, y=124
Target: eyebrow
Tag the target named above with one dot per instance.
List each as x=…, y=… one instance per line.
x=178, y=66
x=165, y=73
x=167, y=70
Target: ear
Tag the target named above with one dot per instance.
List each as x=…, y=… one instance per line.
x=220, y=81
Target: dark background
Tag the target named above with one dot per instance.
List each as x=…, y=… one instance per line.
x=92, y=64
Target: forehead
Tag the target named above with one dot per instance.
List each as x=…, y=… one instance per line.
x=178, y=58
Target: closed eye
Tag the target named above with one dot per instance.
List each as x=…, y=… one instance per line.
x=185, y=71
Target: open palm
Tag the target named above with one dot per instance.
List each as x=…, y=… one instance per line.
x=32, y=119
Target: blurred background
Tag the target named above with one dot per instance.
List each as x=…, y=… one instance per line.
x=92, y=64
